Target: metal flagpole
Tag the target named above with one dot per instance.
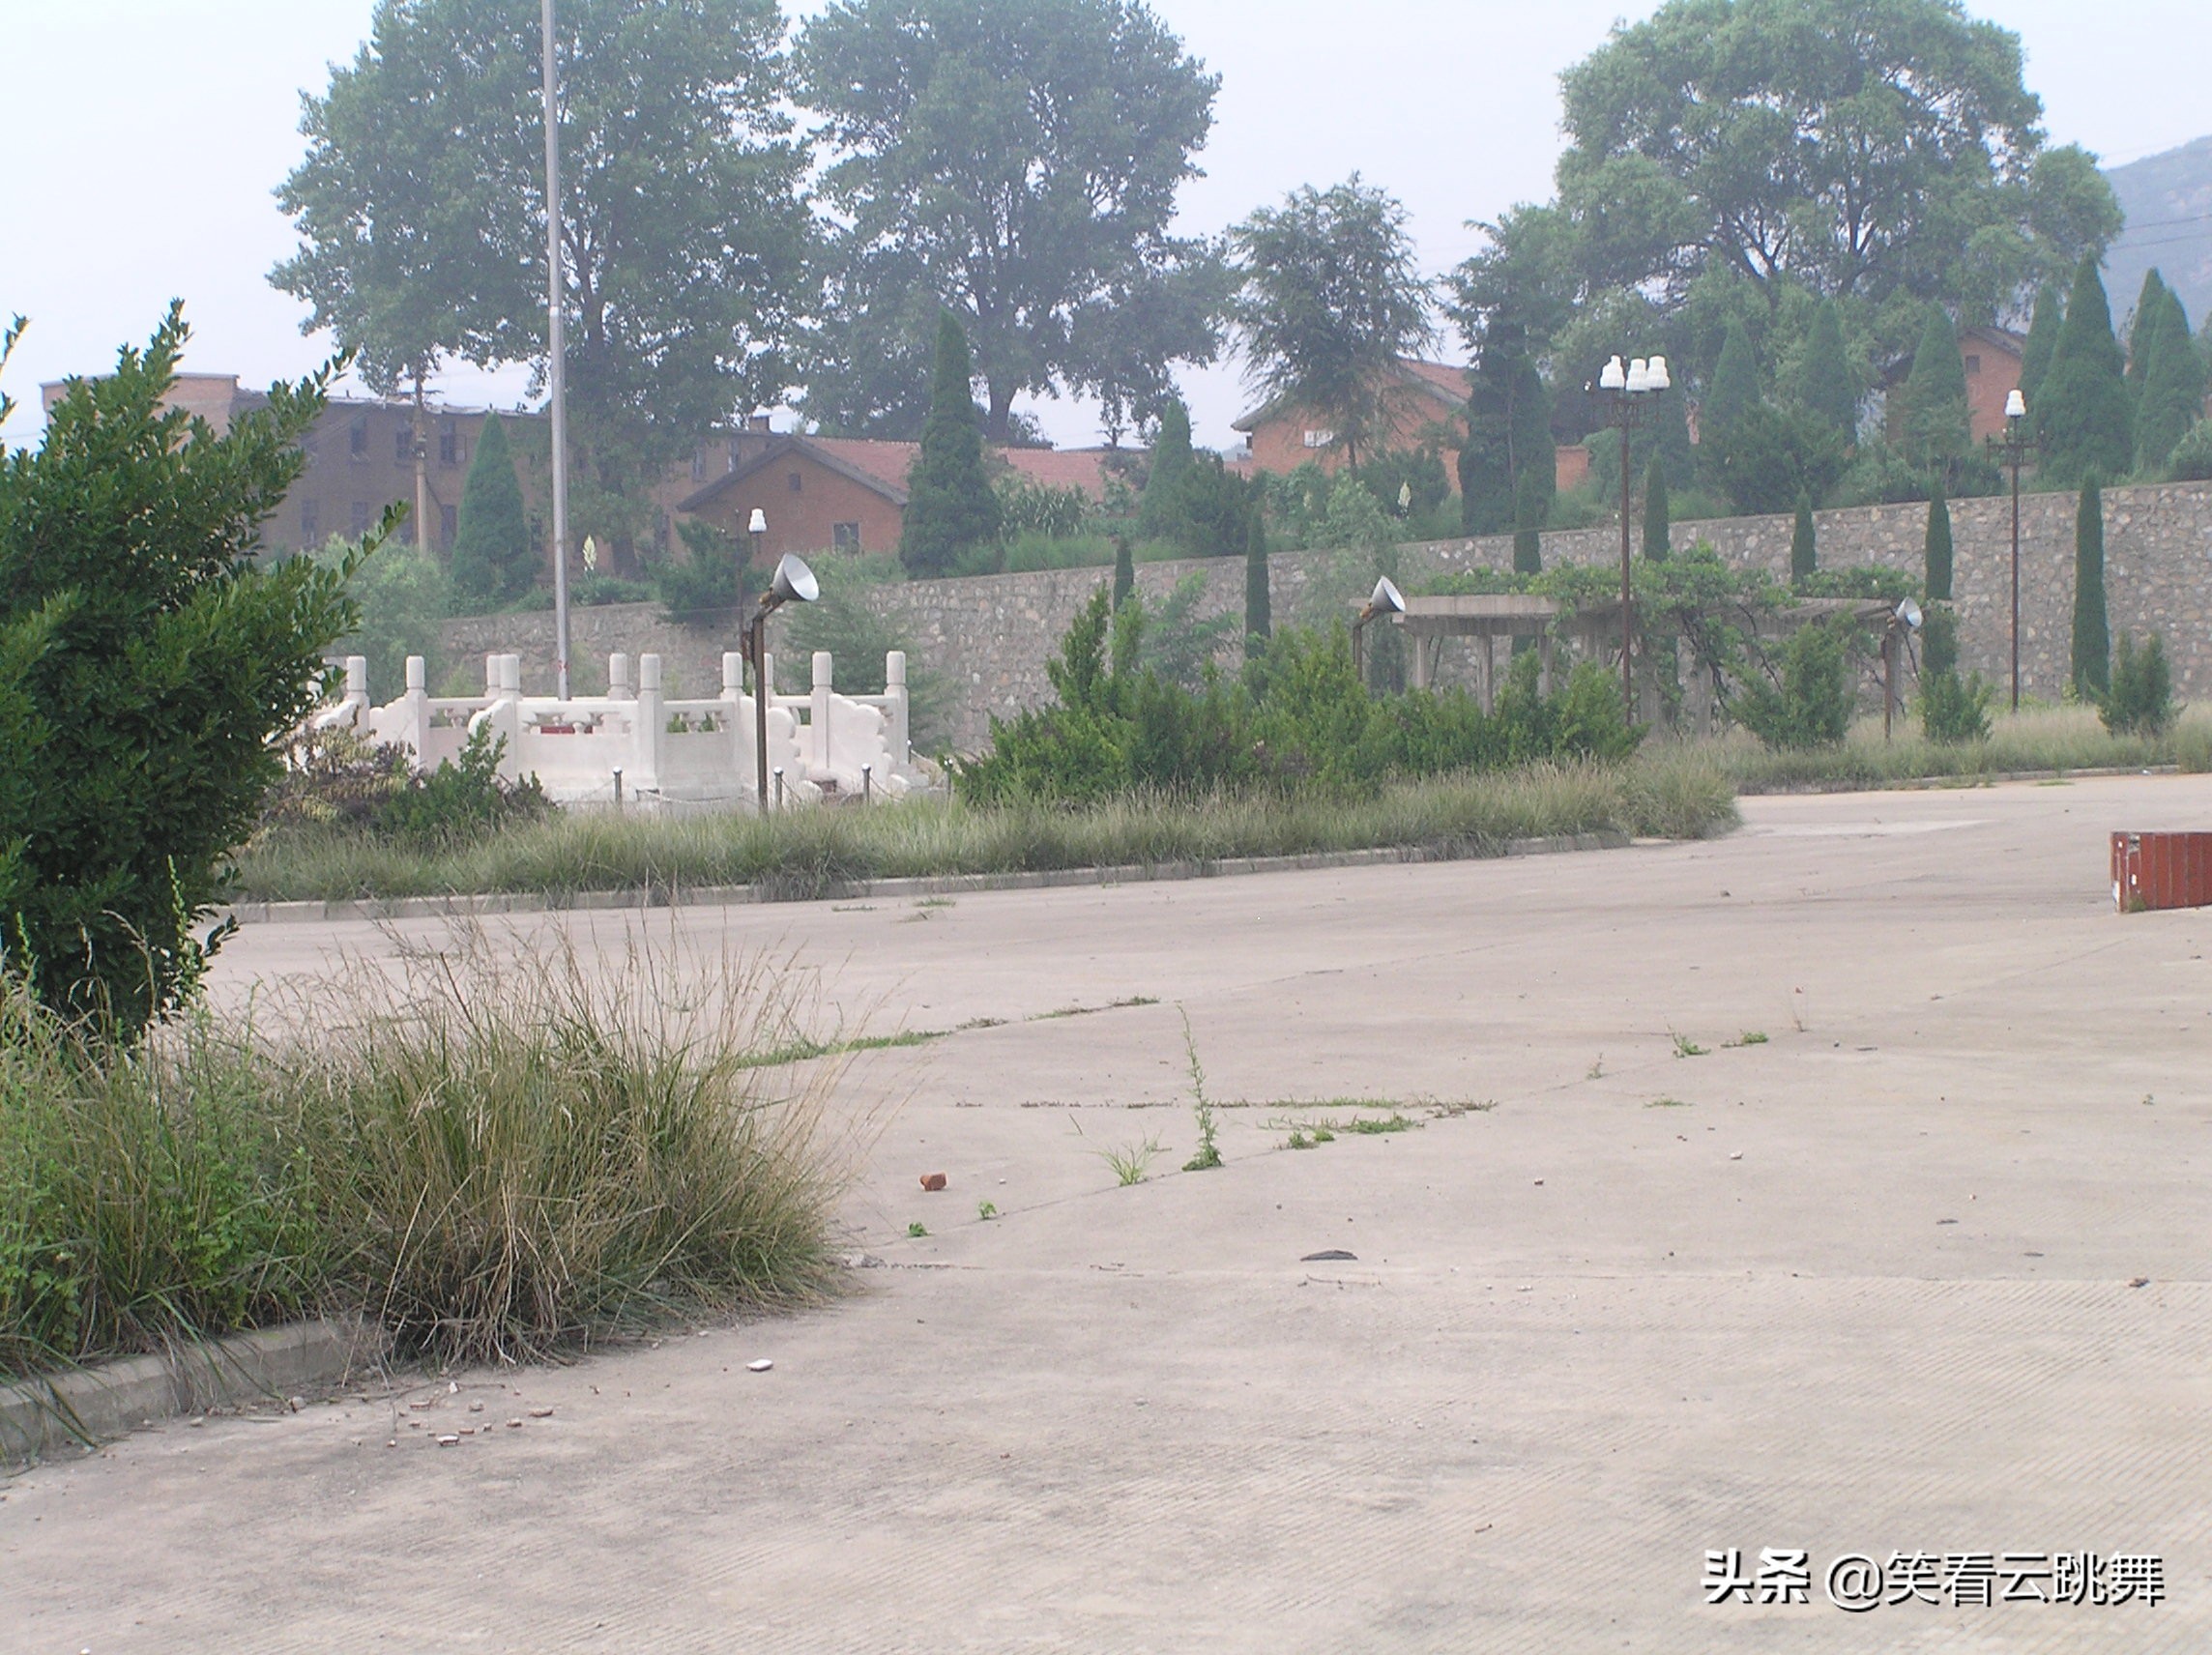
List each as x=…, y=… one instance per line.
x=554, y=340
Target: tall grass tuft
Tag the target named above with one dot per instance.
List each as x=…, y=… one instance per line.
x=810, y=853
x=2035, y=739
x=492, y=1162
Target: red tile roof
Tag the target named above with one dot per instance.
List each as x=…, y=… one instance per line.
x=1052, y=468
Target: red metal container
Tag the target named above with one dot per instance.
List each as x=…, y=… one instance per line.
x=2162, y=870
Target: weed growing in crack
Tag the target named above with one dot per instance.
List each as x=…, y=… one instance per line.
x=1130, y=1164
x=1209, y=1154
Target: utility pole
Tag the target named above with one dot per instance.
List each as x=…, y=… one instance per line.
x=555, y=342
x=422, y=470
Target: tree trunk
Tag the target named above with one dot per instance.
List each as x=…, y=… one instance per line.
x=999, y=426
x=422, y=470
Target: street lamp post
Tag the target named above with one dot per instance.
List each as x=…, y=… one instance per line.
x=1640, y=378
x=1386, y=600
x=2014, y=449
x=555, y=375
x=793, y=580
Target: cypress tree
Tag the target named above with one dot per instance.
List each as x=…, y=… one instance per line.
x=2092, y=640
x=1531, y=504
x=2082, y=417
x=1804, y=554
x=1508, y=436
x=493, y=560
x=1826, y=391
x=1666, y=435
x=2173, y=384
x=1125, y=572
x=1733, y=390
x=1937, y=427
x=1258, y=612
x=1658, y=538
x=950, y=504
x=2150, y=313
x=1939, y=547
x=1939, y=640
x=2041, y=341
x=1156, y=514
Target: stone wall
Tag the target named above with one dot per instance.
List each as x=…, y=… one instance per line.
x=992, y=634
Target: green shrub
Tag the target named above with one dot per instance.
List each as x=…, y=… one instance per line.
x=2191, y=458
x=1809, y=701
x=1298, y=720
x=403, y=598
x=147, y=664
x=462, y=797
x=2140, y=699
x=1954, y=710
x=705, y=588
x=1028, y=507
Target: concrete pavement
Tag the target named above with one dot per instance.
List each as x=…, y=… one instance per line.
x=1863, y=1287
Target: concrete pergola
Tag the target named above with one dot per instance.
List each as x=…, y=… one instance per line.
x=1595, y=629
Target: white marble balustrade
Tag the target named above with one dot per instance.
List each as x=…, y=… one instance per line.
x=637, y=744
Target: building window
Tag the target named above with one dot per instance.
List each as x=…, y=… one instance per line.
x=1320, y=439
x=698, y=465
x=793, y=481
x=449, y=444
x=448, y=525
x=307, y=448
x=357, y=519
x=845, y=536
x=403, y=446
x=1973, y=365
x=310, y=523
x=357, y=437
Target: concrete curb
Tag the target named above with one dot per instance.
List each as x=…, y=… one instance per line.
x=940, y=884
x=89, y=1406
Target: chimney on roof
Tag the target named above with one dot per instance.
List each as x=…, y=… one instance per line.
x=757, y=423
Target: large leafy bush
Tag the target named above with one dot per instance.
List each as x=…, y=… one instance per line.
x=1297, y=720
x=147, y=665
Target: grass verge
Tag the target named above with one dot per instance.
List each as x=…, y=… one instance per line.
x=2054, y=739
x=1680, y=794
x=497, y=1160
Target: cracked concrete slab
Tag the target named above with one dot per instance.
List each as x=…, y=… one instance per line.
x=1863, y=1285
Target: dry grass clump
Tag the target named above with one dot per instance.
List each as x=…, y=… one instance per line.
x=2035, y=739
x=495, y=1156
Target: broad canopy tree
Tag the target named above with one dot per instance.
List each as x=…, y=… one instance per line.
x=1860, y=148
x=1016, y=161
x=1331, y=298
x=1752, y=162
x=422, y=212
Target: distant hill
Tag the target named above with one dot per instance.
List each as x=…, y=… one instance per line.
x=2168, y=199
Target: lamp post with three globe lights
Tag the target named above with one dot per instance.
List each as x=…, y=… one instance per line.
x=1630, y=388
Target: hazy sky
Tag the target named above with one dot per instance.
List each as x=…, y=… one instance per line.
x=143, y=138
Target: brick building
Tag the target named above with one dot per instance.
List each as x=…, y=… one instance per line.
x=1991, y=358
x=847, y=494
x=820, y=494
x=1424, y=404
